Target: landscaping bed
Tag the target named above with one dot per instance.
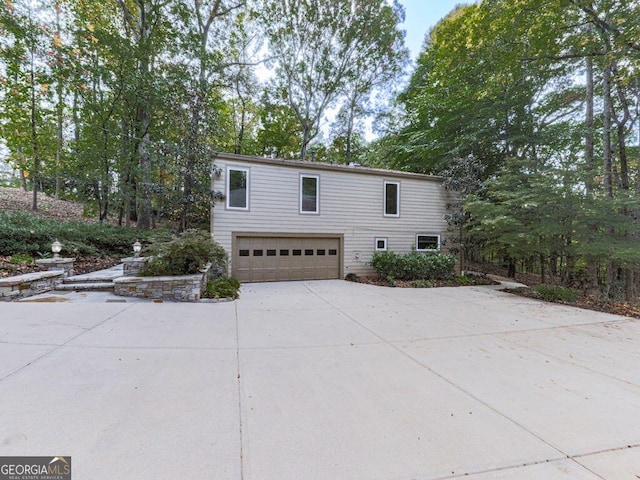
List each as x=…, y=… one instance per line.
x=588, y=302
x=463, y=281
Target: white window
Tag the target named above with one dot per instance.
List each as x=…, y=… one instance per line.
x=427, y=243
x=309, y=194
x=238, y=188
x=381, y=244
x=391, y=199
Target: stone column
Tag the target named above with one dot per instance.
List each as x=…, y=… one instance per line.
x=58, y=263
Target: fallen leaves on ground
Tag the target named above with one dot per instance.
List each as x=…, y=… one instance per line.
x=588, y=302
x=18, y=200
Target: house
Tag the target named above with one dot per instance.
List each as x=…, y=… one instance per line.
x=296, y=220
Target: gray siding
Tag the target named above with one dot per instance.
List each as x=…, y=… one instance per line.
x=351, y=204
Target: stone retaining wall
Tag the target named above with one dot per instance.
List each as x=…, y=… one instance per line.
x=184, y=288
x=132, y=266
x=29, y=284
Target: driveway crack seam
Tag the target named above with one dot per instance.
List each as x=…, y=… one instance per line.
x=238, y=380
x=58, y=347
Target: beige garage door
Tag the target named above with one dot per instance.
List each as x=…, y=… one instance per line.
x=272, y=259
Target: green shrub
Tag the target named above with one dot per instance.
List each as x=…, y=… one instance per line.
x=352, y=277
x=423, y=284
x=223, y=287
x=414, y=265
x=24, y=233
x=553, y=293
x=184, y=255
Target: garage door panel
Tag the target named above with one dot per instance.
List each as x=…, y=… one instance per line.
x=278, y=258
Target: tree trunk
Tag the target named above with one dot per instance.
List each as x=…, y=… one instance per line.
x=143, y=124
x=606, y=132
x=306, y=131
x=34, y=137
x=59, y=112
x=511, y=268
x=144, y=163
x=588, y=123
x=592, y=263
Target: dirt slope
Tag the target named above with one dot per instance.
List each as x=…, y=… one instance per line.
x=16, y=199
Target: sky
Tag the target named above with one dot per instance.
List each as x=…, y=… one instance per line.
x=421, y=15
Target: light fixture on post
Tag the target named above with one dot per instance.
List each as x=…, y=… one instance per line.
x=136, y=249
x=55, y=248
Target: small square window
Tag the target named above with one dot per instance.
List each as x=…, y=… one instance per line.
x=333, y=252
x=258, y=253
x=271, y=253
x=321, y=252
x=427, y=243
x=381, y=244
x=297, y=253
x=244, y=253
x=284, y=253
x=308, y=252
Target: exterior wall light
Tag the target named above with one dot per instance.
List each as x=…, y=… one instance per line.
x=55, y=248
x=136, y=249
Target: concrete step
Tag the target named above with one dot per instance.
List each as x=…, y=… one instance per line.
x=83, y=279
x=94, y=286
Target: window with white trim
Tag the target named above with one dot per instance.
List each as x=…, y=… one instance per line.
x=391, y=199
x=381, y=244
x=427, y=243
x=238, y=188
x=309, y=194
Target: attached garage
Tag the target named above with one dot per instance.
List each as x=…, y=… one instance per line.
x=272, y=257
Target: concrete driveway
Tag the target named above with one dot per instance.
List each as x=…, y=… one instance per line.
x=324, y=380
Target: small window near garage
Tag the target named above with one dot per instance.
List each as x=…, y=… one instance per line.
x=427, y=243
x=284, y=253
x=309, y=194
x=297, y=253
x=244, y=253
x=333, y=252
x=258, y=253
x=271, y=253
x=238, y=188
x=321, y=252
x=308, y=253
x=391, y=199
x=381, y=244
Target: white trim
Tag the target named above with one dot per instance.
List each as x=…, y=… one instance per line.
x=384, y=199
x=427, y=249
x=317, y=209
x=228, y=191
x=381, y=239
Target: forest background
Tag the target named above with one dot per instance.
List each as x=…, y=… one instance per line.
x=529, y=108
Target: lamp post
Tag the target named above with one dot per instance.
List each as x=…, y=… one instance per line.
x=136, y=249
x=55, y=248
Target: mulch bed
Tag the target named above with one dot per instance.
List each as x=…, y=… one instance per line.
x=453, y=282
x=81, y=266
x=588, y=302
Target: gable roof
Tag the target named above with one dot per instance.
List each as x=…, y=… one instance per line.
x=353, y=168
